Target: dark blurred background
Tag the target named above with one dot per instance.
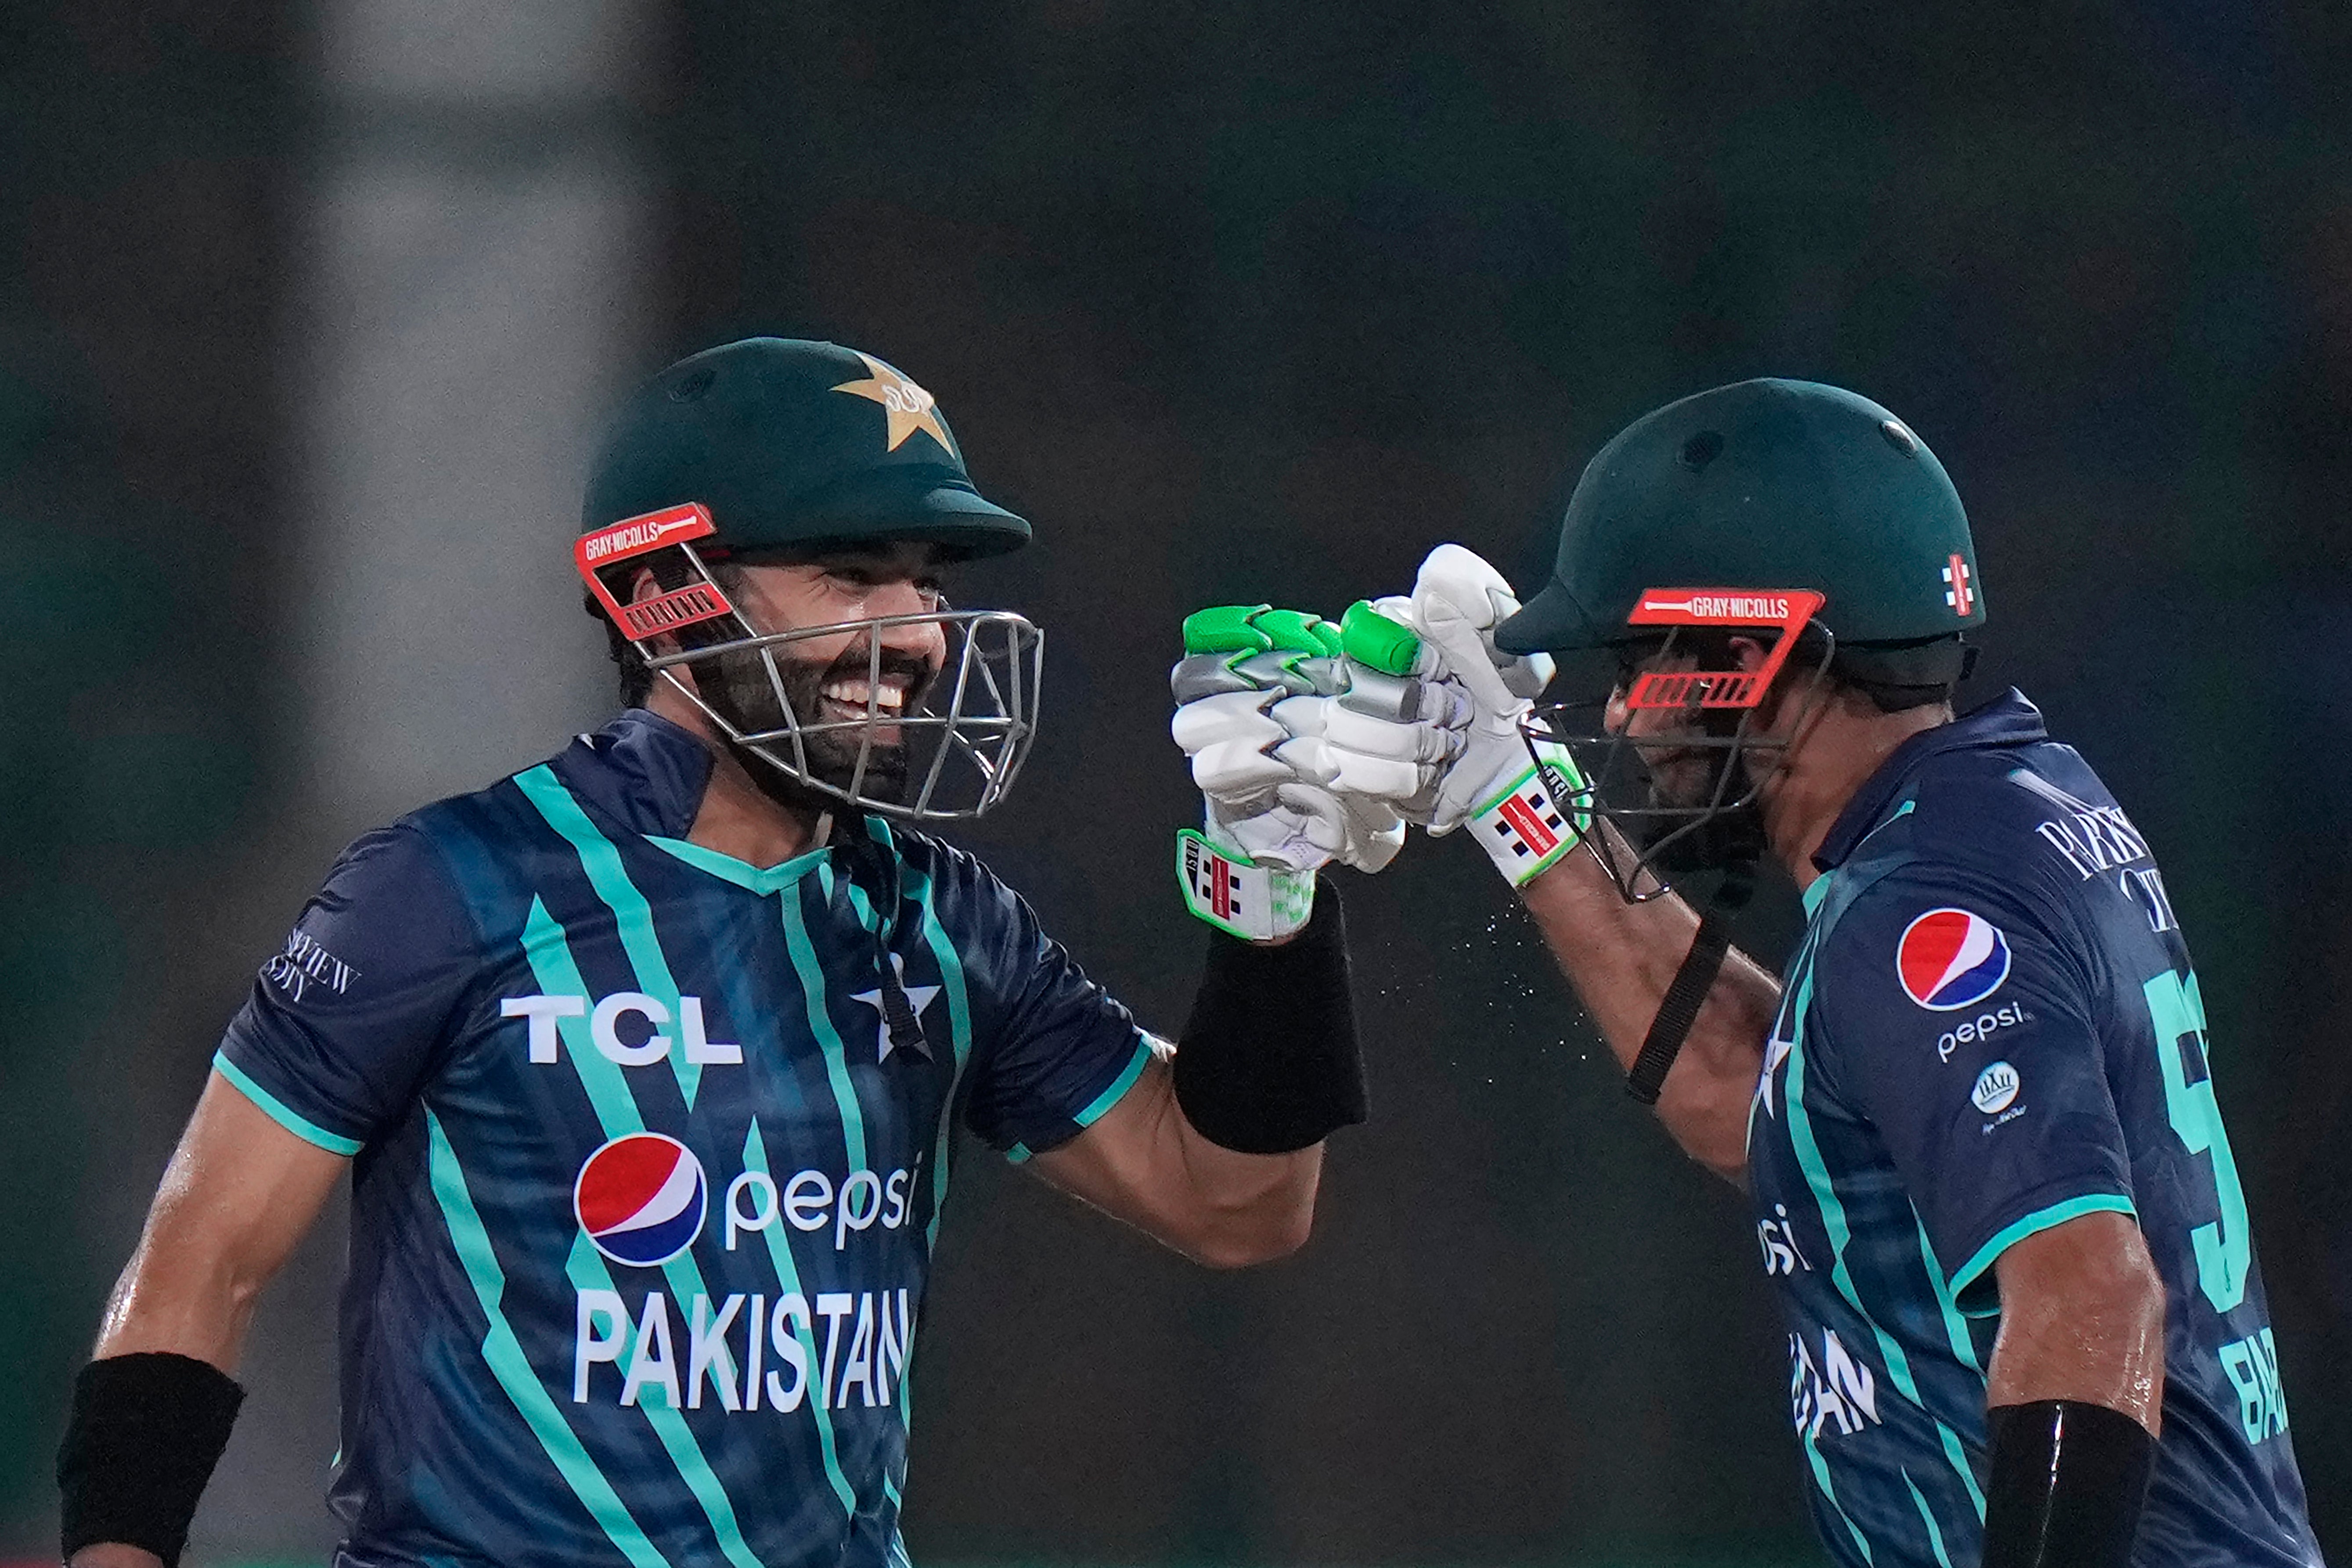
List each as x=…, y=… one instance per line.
x=306, y=316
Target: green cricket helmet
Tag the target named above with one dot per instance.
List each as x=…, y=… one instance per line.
x=1762, y=485
x=1803, y=518
x=776, y=448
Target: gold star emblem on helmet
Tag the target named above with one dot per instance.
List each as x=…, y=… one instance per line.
x=909, y=406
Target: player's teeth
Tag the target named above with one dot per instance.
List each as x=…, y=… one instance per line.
x=854, y=694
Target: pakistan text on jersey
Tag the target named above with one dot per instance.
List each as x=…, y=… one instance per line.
x=781, y=1364
x=1837, y=1390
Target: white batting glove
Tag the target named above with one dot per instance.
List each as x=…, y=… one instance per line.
x=1458, y=600
x=1251, y=695
x=1472, y=698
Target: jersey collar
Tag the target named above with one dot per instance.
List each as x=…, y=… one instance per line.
x=641, y=772
x=2008, y=720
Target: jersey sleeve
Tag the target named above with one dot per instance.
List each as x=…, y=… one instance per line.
x=1053, y=1050
x=344, y=1022
x=1964, y=1026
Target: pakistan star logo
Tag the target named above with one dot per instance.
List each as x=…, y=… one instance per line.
x=918, y=998
x=909, y=406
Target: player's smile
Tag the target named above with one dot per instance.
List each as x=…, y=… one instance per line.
x=854, y=698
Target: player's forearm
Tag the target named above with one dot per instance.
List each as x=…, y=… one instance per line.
x=1245, y=1208
x=1144, y=1162
x=1620, y=958
x=2082, y=1317
x=239, y=1194
x=181, y=1303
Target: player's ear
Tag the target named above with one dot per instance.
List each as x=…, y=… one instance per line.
x=1751, y=657
x=644, y=586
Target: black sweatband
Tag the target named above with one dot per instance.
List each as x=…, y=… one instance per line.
x=2068, y=1479
x=1268, y=1061
x=145, y=1433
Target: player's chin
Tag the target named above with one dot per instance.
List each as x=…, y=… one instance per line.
x=1682, y=782
x=885, y=777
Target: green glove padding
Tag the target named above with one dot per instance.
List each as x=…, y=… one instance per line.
x=1378, y=642
x=1259, y=628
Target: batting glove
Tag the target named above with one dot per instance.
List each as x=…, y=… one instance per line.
x=1470, y=697
x=1251, y=694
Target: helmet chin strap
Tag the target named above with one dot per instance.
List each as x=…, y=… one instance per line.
x=1686, y=992
x=1733, y=839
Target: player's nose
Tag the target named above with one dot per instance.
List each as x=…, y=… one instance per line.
x=924, y=639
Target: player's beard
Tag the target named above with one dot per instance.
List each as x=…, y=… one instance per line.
x=735, y=685
x=1684, y=782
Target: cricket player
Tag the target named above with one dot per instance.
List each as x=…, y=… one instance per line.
x=1975, y=1116
x=645, y=1062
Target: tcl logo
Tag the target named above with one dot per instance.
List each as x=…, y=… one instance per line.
x=652, y=1015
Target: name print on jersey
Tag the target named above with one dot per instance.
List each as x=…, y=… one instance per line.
x=604, y=1028
x=2092, y=838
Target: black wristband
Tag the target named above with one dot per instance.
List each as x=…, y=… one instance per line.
x=2068, y=1479
x=145, y=1433
x=1268, y=1061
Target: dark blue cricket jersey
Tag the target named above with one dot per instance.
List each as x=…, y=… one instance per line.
x=1992, y=1027
x=644, y=1197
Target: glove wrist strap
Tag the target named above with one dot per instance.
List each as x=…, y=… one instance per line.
x=1522, y=826
x=1256, y=903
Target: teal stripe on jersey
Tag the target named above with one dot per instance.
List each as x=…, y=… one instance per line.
x=742, y=873
x=1100, y=1105
x=1792, y=1093
x=549, y=952
x=788, y=1277
x=1964, y=1348
x=1927, y=1516
x=2040, y=1220
x=633, y=918
x=828, y=1038
x=280, y=1112
x=1021, y=1153
x=512, y=1368
x=959, y=1000
x=586, y=1270
x=1833, y=1221
x=1955, y=1322
x=1828, y=1493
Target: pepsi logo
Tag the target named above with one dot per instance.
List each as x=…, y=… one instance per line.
x=641, y=1198
x=1950, y=959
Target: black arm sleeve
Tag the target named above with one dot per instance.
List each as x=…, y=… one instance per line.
x=1269, y=1062
x=145, y=1433
x=2067, y=1483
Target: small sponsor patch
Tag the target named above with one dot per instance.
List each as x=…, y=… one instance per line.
x=1996, y=1088
x=1949, y=959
